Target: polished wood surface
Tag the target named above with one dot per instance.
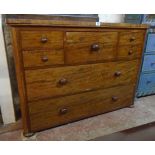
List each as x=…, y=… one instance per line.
x=44, y=83
x=31, y=40
x=90, y=46
x=70, y=70
x=38, y=58
x=50, y=21
x=21, y=80
x=54, y=112
x=129, y=52
x=74, y=52
x=131, y=37
x=107, y=38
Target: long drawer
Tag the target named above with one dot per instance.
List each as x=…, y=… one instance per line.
x=54, y=112
x=52, y=82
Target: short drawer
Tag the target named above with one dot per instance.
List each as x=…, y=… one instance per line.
x=131, y=37
x=52, y=82
x=53, y=112
x=150, y=46
x=146, y=84
x=43, y=58
x=85, y=47
x=129, y=52
x=42, y=39
x=148, y=63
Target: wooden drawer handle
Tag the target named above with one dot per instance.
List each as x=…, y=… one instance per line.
x=132, y=39
x=130, y=52
x=63, y=111
x=118, y=73
x=95, y=47
x=63, y=81
x=44, y=40
x=44, y=59
x=114, y=98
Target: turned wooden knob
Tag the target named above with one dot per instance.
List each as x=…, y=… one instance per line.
x=130, y=52
x=63, y=111
x=63, y=81
x=44, y=40
x=95, y=47
x=44, y=58
x=118, y=73
x=132, y=39
x=114, y=98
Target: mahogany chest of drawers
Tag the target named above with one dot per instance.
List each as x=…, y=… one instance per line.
x=70, y=70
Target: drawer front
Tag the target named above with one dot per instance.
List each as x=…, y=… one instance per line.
x=83, y=53
x=53, y=112
x=43, y=58
x=85, y=47
x=131, y=38
x=44, y=83
x=129, y=52
x=149, y=63
x=146, y=84
x=107, y=38
x=41, y=40
x=150, y=46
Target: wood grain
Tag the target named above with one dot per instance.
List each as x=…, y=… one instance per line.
x=108, y=38
x=36, y=58
x=32, y=39
x=20, y=79
x=126, y=36
x=44, y=83
x=129, y=52
x=16, y=21
x=82, y=53
x=46, y=113
x=78, y=46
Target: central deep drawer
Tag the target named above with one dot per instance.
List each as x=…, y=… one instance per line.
x=84, y=47
x=52, y=82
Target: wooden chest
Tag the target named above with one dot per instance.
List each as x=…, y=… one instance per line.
x=70, y=70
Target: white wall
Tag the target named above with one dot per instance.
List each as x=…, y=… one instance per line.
x=6, y=102
x=111, y=18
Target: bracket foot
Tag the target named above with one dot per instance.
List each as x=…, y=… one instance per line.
x=30, y=134
x=132, y=106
